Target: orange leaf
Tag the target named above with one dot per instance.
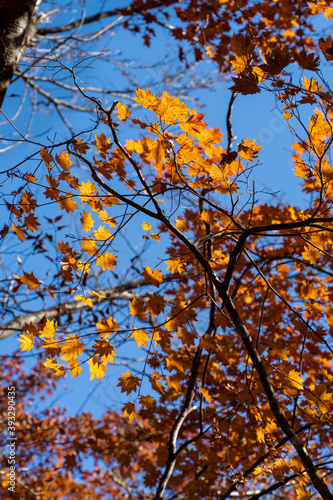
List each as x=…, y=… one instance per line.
x=46, y=157
x=103, y=145
x=172, y=363
x=104, y=350
x=26, y=341
x=155, y=304
x=129, y=411
x=88, y=245
x=30, y=280
x=84, y=300
x=128, y=383
x=67, y=203
x=138, y=309
x=64, y=160
x=106, y=326
x=18, y=230
x=205, y=393
x=97, y=368
x=58, y=369
x=75, y=368
x=86, y=221
x=141, y=337
x=175, y=266
x=31, y=222
x=72, y=348
x=326, y=47
x=248, y=150
x=153, y=277
x=123, y=112
x=48, y=330
x=107, y=261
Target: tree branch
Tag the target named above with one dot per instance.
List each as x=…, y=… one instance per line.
x=120, y=292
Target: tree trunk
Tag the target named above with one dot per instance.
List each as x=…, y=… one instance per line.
x=17, y=25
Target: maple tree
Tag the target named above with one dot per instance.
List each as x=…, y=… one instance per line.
x=231, y=304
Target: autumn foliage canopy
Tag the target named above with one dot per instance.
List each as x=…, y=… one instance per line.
x=229, y=309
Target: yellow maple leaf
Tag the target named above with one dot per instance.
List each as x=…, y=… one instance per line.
x=175, y=266
x=141, y=337
x=104, y=216
x=287, y=115
x=30, y=280
x=97, y=368
x=129, y=411
x=123, y=112
x=209, y=51
x=106, y=326
x=48, y=330
x=303, y=494
x=83, y=266
x=103, y=145
x=240, y=63
x=30, y=178
x=155, y=236
x=128, y=382
x=311, y=86
x=146, y=226
x=153, y=277
x=26, y=341
x=88, y=245
x=182, y=225
x=84, y=300
x=295, y=379
x=172, y=363
x=102, y=234
x=248, y=150
x=75, y=368
x=58, y=369
x=72, y=348
x=67, y=203
x=64, y=160
x=157, y=153
x=146, y=99
x=311, y=254
x=107, y=261
x=97, y=294
x=258, y=73
x=86, y=221
x=205, y=393
x=88, y=191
